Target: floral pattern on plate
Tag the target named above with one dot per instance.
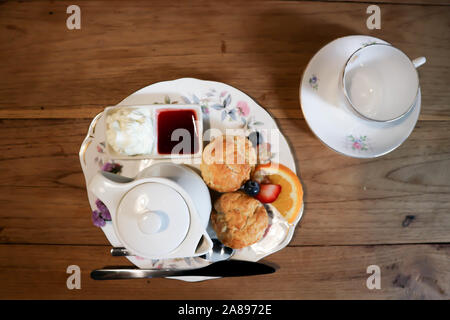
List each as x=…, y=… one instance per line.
x=358, y=143
x=101, y=214
x=223, y=103
x=314, y=82
x=368, y=43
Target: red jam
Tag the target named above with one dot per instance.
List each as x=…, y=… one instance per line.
x=168, y=120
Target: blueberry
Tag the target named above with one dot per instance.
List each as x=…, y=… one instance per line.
x=256, y=138
x=251, y=188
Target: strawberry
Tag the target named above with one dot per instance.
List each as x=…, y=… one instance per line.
x=268, y=193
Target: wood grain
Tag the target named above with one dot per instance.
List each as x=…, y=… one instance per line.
x=259, y=47
x=397, y=2
x=407, y=272
x=353, y=201
x=391, y=211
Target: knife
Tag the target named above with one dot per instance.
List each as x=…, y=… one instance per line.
x=228, y=268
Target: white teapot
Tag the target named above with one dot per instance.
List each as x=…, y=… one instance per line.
x=162, y=213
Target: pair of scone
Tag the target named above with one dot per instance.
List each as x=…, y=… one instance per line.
x=238, y=219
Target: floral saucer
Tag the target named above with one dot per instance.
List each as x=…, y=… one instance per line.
x=223, y=107
x=331, y=119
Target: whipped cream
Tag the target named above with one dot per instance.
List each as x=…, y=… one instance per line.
x=129, y=131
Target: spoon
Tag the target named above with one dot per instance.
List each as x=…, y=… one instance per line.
x=218, y=252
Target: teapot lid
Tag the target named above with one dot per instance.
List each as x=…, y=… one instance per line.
x=152, y=219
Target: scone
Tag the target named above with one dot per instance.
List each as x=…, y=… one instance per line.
x=227, y=162
x=239, y=220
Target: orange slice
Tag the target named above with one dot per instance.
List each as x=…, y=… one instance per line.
x=290, y=200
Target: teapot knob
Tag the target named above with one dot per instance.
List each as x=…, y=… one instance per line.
x=152, y=222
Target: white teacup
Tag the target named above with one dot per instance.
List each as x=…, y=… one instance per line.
x=380, y=82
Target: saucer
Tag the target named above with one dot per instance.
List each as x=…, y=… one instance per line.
x=223, y=107
x=330, y=117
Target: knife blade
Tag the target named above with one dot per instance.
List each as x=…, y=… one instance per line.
x=228, y=268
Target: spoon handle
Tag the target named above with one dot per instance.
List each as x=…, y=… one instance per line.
x=120, y=252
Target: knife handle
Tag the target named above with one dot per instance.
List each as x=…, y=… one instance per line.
x=228, y=268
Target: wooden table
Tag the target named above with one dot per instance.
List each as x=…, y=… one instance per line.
x=392, y=211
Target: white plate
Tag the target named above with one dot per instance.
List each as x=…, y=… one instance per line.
x=328, y=114
x=223, y=107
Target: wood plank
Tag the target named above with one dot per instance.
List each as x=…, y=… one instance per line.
x=260, y=48
x=407, y=272
x=375, y=199
x=62, y=216
x=392, y=212
x=47, y=216
x=399, y=198
x=397, y=2
x=45, y=153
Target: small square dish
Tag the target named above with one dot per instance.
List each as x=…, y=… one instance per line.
x=154, y=131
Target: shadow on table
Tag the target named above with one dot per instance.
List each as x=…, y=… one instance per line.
x=285, y=42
